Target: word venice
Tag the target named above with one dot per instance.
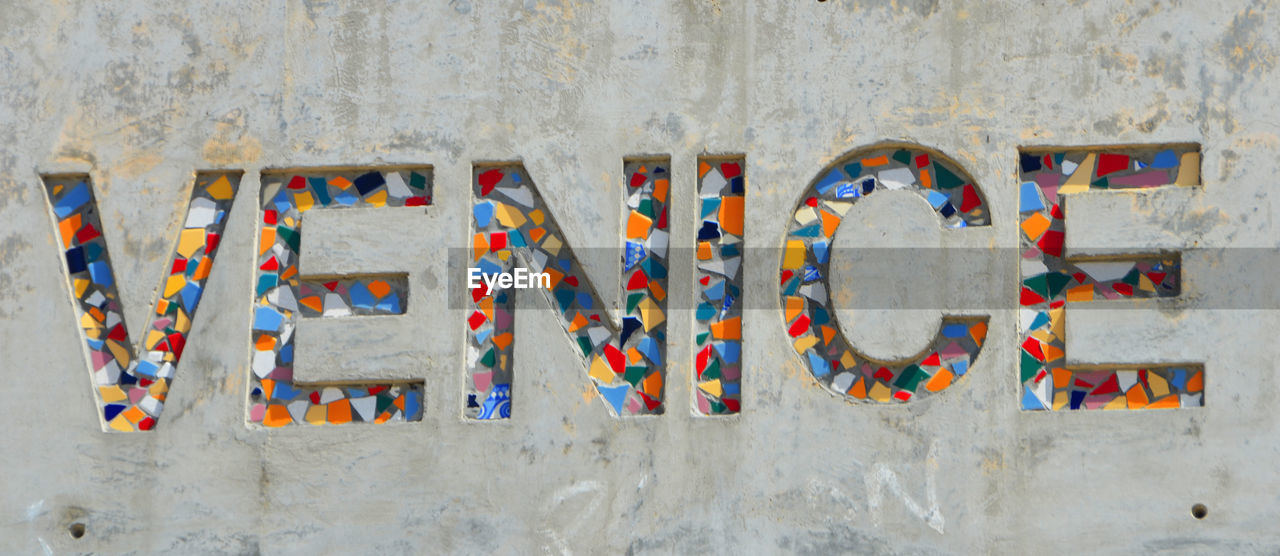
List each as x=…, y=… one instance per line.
x=625, y=358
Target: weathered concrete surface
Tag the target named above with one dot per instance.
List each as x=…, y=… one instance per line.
x=141, y=96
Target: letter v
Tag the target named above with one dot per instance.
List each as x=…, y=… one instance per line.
x=131, y=388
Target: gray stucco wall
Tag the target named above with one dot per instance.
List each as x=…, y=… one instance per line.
x=140, y=97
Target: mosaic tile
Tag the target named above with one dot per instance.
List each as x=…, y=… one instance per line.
x=281, y=296
x=623, y=360
x=803, y=283
x=1050, y=281
x=718, y=358
x=133, y=382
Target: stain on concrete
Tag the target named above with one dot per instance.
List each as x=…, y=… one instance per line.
x=1168, y=67
x=231, y=145
x=1243, y=45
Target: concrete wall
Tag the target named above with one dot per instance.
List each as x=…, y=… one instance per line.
x=140, y=97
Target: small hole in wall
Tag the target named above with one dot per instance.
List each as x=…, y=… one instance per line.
x=76, y=530
x=1198, y=511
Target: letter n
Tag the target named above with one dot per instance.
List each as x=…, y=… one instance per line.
x=131, y=385
x=624, y=359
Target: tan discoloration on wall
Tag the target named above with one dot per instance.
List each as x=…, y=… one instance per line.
x=137, y=165
x=1035, y=133
x=1168, y=68
x=1111, y=58
x=994, y=464
x=553, y=41
x=230, y=145
x=71, y=156
x=1244, y=49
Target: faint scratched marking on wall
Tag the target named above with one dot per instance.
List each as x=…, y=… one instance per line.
x=563, y=522
x=880, y=485
x=881, y=477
